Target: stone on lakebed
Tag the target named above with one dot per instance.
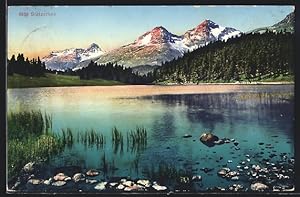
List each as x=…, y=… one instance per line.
x=59, y=183
x=259, y=187
x=208, y=139
x=78, y=177
x=92, y=172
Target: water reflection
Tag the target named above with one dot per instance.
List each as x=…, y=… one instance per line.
x=212, y=109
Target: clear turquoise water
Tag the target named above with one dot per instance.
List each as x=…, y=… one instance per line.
x=250, y=115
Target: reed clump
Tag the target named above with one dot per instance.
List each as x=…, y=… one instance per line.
x=117, y=140
x=137, y=139
x=30, y=139
x=165, y=173
x=91, y=137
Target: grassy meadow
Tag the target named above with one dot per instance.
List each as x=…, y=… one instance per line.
x=53, y=80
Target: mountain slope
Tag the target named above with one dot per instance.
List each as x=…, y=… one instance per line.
x=207, y=32
x=152, y=48
x=159, y=45
x=69, y=58
x=287, y=24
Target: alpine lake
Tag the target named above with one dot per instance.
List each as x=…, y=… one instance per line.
x=255, y=123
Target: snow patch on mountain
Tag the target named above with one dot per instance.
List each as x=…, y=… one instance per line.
x=69, y=58
x=230, y=35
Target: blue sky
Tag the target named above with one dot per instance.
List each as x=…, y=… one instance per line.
x=114, y=26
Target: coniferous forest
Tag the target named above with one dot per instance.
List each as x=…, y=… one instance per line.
x=26, y=67
x=247, y=58
x=250, y=57
x=113, y=72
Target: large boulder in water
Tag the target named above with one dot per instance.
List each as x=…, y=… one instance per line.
x=208, y=139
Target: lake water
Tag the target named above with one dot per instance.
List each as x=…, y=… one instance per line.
x=250, y=114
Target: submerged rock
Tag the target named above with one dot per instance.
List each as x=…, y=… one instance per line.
x=101, y=186
x=196, y=178
x=206, y=170
x=92, y=172
x=91, y=181
x=223, y=172
x=35, y=181
x=59, y=183
x=48, y=182
x=256, y=167
x=235, y=178
x=219, y=142
x=259, y=187
x=184, y=179
x=232, y=174
x=187, y=136
x=134, y=187
x=236, y=187
x=78, y=177
x=60, y=177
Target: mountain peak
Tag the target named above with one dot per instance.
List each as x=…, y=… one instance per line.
x=69, y=58
x=94, y=45
x=161, y=28
x=207, y=24
x=157, y=35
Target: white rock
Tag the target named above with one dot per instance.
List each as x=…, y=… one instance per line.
x=59, y=183
x=289, y=190
x=145, y=183
x=113, y=184
x=134, y=187
x=235, y=178
x=159, y=187
x=60, y=177
x=29, y=167
x=120, y=186
x=47, y=182
x=128, y=183
x=35, y=181
x=231, y=174
x=91, y=181
x=259, y=187
x=78, y=177
x=68, y=179
x=100, y=186
x=197, y=178
x=92, y=172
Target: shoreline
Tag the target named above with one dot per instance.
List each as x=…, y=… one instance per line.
x=239, y=83
x=159, y=85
